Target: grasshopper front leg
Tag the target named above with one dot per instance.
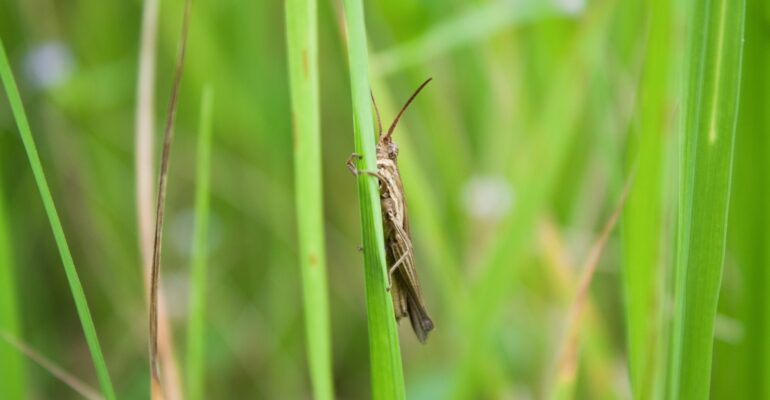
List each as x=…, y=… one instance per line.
x=351, y=164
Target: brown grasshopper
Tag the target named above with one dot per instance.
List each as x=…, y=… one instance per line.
x=402, y=275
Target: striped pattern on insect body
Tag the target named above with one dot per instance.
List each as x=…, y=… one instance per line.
x=403, y=282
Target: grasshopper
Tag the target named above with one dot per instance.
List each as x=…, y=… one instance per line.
x=402, y=275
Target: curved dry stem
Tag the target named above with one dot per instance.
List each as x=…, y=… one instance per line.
x=157, y=388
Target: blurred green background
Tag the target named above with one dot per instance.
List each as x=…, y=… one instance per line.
x=513, y=159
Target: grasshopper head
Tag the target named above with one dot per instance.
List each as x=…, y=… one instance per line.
x=387, y=148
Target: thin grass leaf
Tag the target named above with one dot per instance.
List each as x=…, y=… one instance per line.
x=76, y=288
x=12, y=386
x=196, y=330
x=596, y=353
x=156, y=388
x=68, y=379
x=711, y=97
x=643, y=227
x=302, y=44
x=385, y=358
x=567, y=365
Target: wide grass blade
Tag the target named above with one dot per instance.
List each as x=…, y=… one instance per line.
x=746, y=373
x=643, y=227
x=711, y=97
x=12, y=384
x=385, y=358
x=196, y=330
x=302, y=43
x=78, y=295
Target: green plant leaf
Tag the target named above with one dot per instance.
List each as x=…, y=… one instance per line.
x=711, y=97
x=302, y=42
x=385, y=358
x=196, y=330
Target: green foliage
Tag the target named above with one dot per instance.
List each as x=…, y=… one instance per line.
x=196, y=328
x=643, y=222
x=387, y=377
x=12, y=386
x=511, y=160
x=746, y=373
x=710, y=111
x=12, y=92
x=302, y=41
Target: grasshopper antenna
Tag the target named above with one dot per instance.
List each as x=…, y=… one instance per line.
x=398, y=117
x=377, y=112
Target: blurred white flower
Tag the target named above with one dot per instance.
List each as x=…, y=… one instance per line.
x=48, y=64
x=181, y=227
x=572, y=6
x=488, y=197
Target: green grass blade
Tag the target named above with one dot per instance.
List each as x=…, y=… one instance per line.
x=711, y=89
x=78, y=295
x=747, y=372
x=197, y=319
x=385, y=358
x=302, y=42
x=643, y=254
x=12, y=384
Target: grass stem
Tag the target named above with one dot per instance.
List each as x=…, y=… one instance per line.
x=385, y=357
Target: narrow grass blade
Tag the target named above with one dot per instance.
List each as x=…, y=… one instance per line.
x=385, y=357
x=302, y=43
x=76, y=288
x=12, y=385
x=156, y=388
x=196, y=330
x=643, y=227
x=712, y=86
x=567, y=365
x=70, y=380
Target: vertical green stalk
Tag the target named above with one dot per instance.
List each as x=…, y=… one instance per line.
x=385, y=357
x=302, y=42
x=711, y=97
x=643, y=216
x=78, y=295
x=12, y=381
x=197, y=323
